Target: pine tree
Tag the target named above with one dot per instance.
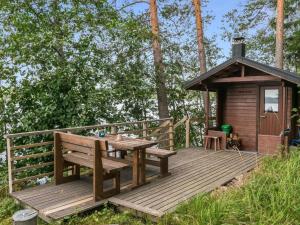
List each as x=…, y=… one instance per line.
x=161, y=89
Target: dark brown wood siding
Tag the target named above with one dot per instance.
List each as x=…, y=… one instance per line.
x=290, y=121
x=268, y=144
x=289, y=106
x=239, y=110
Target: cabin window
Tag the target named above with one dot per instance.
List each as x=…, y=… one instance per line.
x=271, y=100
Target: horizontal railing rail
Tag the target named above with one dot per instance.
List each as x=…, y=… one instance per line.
x=33, y=158
x=43, y=132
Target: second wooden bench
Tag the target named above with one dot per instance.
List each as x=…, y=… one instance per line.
x=163, y=159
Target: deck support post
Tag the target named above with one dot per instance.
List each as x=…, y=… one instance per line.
x=145, y=127
x=187, y=132
x=206, y=109
x=171, y=134
x=113, y=130
x=9, y=164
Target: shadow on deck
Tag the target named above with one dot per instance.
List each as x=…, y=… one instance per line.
x=192, y=172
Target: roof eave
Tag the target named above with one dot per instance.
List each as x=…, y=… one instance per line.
x=285, y=75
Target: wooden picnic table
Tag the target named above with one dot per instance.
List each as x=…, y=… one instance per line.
x=138, y=148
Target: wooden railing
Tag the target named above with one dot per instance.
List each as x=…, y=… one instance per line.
x=30, y=154
x=187, y=123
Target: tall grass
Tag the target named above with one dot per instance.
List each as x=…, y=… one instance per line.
x=271, y=195
x=7, y=204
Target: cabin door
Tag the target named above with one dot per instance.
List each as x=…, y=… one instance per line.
x=270, y=111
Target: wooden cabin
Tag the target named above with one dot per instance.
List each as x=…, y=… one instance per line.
x=254, y=98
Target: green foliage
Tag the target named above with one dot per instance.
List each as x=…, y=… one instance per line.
x=106, y=216
x=256, y=20
x=3, y=181
x=62, y=71
x=71, y=63
x=7, y=205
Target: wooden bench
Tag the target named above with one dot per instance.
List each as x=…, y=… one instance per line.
x=76, y=150
x=163, y=156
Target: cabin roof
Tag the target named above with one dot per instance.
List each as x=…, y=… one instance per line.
x=283, y=74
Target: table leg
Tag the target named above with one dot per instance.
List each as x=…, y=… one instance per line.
x=135, y=169
x=123, y=154
x=142, y=166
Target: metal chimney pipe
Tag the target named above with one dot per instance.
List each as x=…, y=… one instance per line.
x=238, y=47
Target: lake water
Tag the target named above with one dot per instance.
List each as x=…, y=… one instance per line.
x=2, y=157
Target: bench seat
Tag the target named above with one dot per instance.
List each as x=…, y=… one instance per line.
x=86, y=160
x=160, y=153
x=73, y=151
x=163, y=162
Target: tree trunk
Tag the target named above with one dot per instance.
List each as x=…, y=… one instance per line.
x=199, y=26
x=161, y=89
x=279, y=34
x=58, y=47
x=202, y=57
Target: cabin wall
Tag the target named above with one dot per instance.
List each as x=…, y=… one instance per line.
x=292, y=93
x=290, y=105
x=268, y=144
x=239, y=110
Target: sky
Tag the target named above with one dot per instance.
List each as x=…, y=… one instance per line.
x=218, y=8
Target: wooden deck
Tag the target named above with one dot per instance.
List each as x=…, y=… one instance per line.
x=193, y=172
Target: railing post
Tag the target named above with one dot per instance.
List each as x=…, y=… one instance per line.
x=206, y=109
x=9, y=164
x=113, y=130
x=187, y=132
x=145, y=127
x=171, y=134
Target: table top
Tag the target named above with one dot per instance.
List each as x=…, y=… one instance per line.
x=127, y=143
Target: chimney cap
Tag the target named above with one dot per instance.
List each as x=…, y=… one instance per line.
x=238, y=40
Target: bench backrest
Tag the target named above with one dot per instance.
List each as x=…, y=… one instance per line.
x=82, y=144
x=92, y=147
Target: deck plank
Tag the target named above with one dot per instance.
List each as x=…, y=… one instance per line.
x=192, y=172
x=200, y=177
x=213, y=181
x=178, y=173
x=170, y=206
x=180, y=179
x=194, y=175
